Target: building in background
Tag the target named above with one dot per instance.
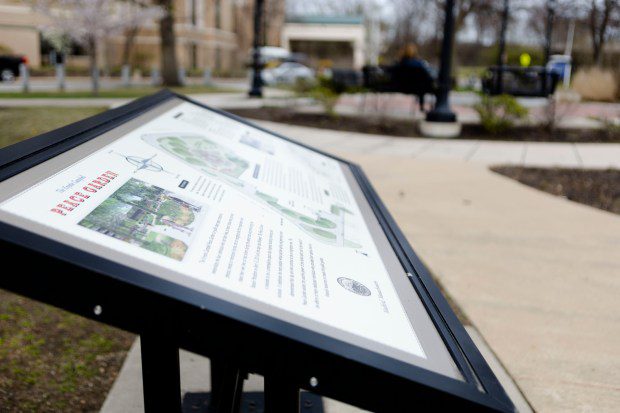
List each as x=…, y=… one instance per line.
x=334, y=41
x=19, y=31
x=215, y=34
x=205, y=36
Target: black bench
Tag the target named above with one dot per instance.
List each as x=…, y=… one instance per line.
x=535, y=81
x=416, y=81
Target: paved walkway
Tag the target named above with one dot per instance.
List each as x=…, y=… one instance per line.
x=580, y=155
x=537, y=275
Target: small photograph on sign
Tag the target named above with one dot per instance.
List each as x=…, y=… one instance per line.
x=147, y=216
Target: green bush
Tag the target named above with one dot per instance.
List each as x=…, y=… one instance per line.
x=326, y=97
x=5, y=49
x=325, y=92
x=303, y=86
x=499, y=113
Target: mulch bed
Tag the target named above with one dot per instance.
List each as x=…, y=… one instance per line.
x=405, y=128
x=597, y=188
x=51, y=360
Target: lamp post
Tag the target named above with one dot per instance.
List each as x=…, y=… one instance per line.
x=442, y=111
x=549, y=34
x=501, y=57
x=257, y=82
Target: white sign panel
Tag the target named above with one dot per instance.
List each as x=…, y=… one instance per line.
x=234, y=207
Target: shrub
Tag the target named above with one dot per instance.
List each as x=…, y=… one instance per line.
x=324, y=91
x=303, y=86
x=595, y=83
x=499, y=113
x=4, y=49
x=327, y=97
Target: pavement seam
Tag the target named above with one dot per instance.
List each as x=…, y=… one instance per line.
x=523, y=154
x=472, y=151
x=578, y=155
x=424, y=149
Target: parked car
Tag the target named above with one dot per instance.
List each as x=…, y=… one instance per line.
x=9, y=67
x=287, y=73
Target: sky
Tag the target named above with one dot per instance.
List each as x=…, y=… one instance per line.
x=518, y=31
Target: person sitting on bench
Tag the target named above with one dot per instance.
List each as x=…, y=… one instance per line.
x=413, y=75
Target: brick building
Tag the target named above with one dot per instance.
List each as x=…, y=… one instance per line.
x=215, y=34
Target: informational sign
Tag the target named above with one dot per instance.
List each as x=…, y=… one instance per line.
x=175, y=203
x=235, y=207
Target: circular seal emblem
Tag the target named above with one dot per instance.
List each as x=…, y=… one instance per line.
x=355, y=287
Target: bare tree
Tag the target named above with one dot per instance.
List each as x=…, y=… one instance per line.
x=86, y=22
x=602, y=14
x=137, y=13
x=407, y=25
x=465, y=9
x=169, y=65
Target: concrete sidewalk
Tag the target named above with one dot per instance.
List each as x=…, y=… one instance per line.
x=537, y=275
x=541, y=154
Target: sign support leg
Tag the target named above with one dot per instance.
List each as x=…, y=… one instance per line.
x=160, y=373
x=280, y=395
x=226, y=387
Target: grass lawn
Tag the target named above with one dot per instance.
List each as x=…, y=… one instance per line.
x=51, y=360
x=132, y=92
x=20, y=123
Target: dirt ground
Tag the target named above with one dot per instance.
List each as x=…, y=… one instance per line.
x=597, y=188
x=405, y=128
x=51, y=360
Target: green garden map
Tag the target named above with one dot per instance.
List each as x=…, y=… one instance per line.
x=214, y=160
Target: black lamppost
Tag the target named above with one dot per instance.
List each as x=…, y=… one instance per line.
x=442, y=111
x=549, y=34
x=501, y=57
x=257, y=81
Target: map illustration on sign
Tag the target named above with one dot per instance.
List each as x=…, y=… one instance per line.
x=143, y=164
x=209, y=157
x=148, y=216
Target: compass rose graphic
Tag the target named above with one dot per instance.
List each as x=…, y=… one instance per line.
x=144, y=164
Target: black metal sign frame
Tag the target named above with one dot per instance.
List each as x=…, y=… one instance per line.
x=238, y=340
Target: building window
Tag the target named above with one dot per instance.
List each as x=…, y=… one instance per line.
x=218, y=14
x=218, y=60
x=193, y=12
x=193, y=55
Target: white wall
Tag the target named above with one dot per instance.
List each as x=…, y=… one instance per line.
x=352, y=33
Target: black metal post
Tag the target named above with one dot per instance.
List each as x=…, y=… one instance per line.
x=257, y=80
x=226, y=387
x=549, y=31
x=442, y=111
x=280, y=395
x=161, y=376
x=501, y=57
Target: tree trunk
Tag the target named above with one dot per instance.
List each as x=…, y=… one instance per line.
x=130, y=36
x=94, y=69
x=169, y=68
x=598, y=29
